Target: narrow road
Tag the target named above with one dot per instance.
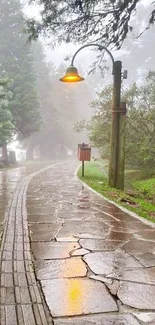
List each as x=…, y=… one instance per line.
x=69, y=257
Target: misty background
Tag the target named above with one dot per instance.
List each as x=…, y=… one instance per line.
x=61, y=105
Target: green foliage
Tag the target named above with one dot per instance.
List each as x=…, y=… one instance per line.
x=142, y=205
x=146, y=187
x=104, y=21
x=16, y=62
x=140, y=128
x=6, y=126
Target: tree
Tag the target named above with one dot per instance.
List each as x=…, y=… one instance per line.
x=16, y=63
x=140, y=131
x=105, y=21
x=6, y=126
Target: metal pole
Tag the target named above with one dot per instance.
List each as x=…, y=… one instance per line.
x=114, y=142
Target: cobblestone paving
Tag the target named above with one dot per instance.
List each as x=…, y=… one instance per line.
x=95, y=263
x=21, y=299
x=88, y=262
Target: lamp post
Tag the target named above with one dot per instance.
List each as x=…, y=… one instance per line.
x=117, y=152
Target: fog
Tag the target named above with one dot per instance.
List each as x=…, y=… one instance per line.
x=62, y=106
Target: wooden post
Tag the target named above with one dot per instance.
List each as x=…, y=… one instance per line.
x=82, y=168
x=114, y=141
x=121, y=153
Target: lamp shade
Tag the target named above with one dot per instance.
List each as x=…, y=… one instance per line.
x=71, y=75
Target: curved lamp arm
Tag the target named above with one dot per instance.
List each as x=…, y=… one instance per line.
x=97, y=45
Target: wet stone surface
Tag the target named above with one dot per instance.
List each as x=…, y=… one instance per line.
x=100, y=245
x=139, y=246
x=73, y=228
x=106, y=263
x=87, y=255
x=80, y=252
x=147, y=318
x=69, y=268
x=136, y=275
x=66, y=297
x=44, y=232
x=147, y=259
x=99, y=320
x=137, y=295
x=53, y=250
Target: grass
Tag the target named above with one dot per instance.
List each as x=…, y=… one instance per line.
x=139, y=196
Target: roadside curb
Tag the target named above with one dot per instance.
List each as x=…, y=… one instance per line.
x=132, y=214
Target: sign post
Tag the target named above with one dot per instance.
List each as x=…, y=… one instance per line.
x=84, y=154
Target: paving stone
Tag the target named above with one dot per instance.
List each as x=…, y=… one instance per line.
x=147, y=259
x=7, y=280
x=148, y=318
x=101, y=278
x=23, y=295
x=147, y=234
x=41, y=218
x=66, y=297
x=68, y=268
x=80, y=252
x=10, y=315
x=72, y=228
x=113, y=287
x=137, y=295
x=139, y=246
x=101, y=319
x=53, y=250
x=7, y=266
x=105, y=217
x=41, y=210
x=105, y=263
x=43, y=232
x=140, y=275
x=7, y=295
x=67, y=239
x=100, y=245
x=76, y=215
x=28, y=315
x=117, y=235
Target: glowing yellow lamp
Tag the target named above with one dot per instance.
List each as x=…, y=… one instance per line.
x=71, y=75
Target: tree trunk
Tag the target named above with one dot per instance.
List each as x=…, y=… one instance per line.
x=5, y=154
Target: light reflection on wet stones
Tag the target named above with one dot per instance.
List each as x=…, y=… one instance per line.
x=147, y=234
x=72, y=228
x=53, y=250
x=118, y=235
x=66, y=297
x=139, y=246
x=100, y=245
x=68, y=268
x=136, y=275
x=107, y=262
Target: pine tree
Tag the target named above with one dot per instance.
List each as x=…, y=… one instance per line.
x=16, y=63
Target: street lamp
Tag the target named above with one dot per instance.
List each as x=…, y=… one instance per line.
x=117, y=143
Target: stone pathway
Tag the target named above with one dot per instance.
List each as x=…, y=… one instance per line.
x=21, y=299
x=90, y=257
x=88, y=262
